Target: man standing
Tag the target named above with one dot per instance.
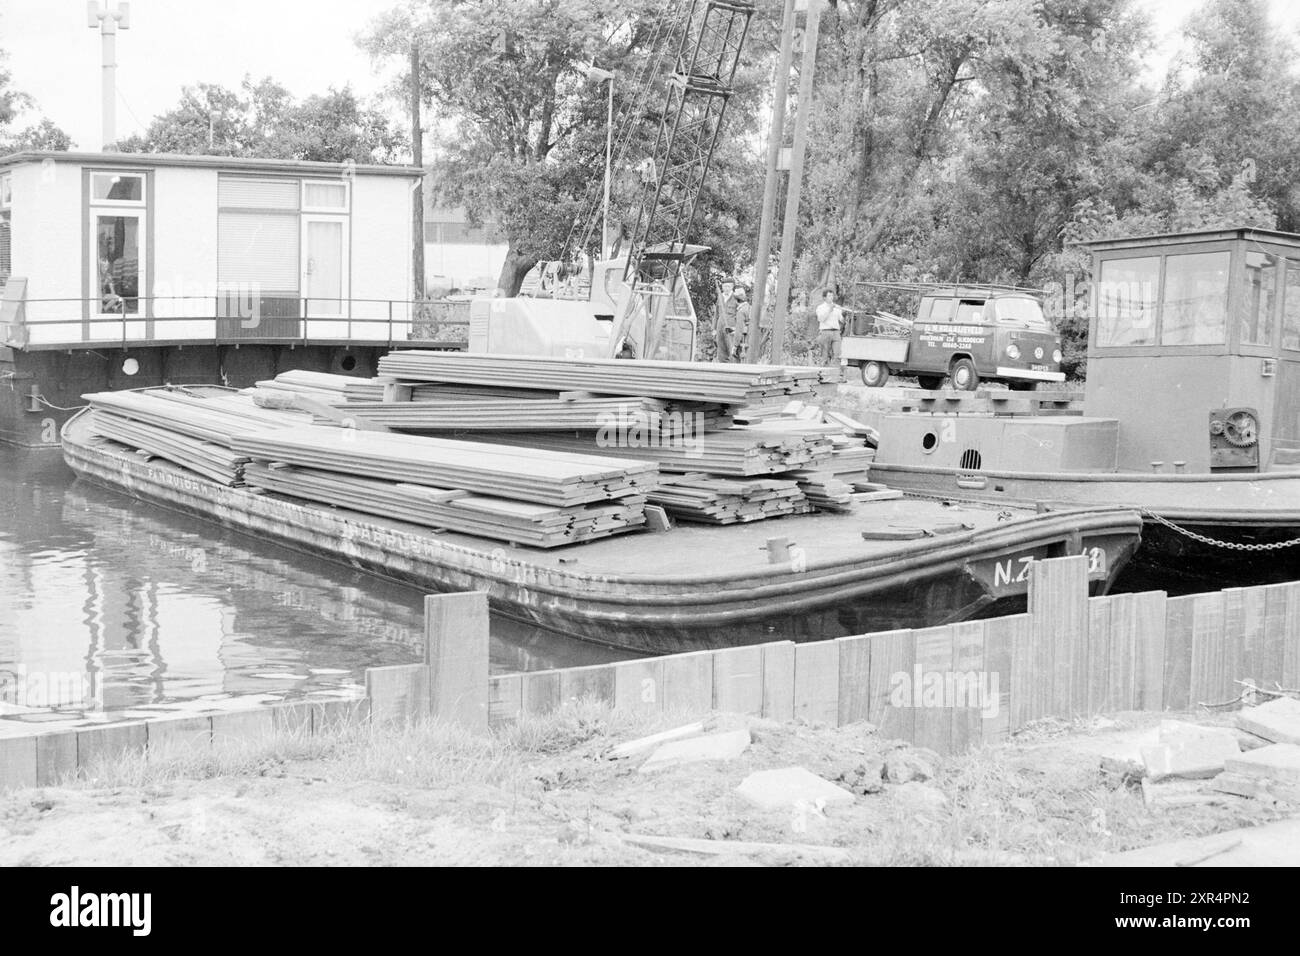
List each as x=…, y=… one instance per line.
x=830, y=324
x=741, y=328
x=724, y=336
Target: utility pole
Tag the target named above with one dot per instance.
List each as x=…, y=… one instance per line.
x=108, y=18
x=807, y=68
x=774, y=140
x=417, y=158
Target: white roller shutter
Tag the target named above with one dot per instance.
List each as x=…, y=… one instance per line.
x=258, y=248
x=239, y=193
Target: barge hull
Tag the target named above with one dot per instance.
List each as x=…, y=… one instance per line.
x=941, y=579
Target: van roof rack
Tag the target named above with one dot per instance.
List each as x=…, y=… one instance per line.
x=951, y=288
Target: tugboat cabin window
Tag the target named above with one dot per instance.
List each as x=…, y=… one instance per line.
x=1262, y=271
x=1195, y=299
x=116, y=187
x=1127, y=293
x=1291, y=307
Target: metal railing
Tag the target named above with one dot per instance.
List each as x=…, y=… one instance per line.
x=267, y=318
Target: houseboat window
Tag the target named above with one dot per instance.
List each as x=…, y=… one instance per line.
x=1291, y=307
x=1126, y=301
x=325, y=197
x=5, y=197
x=117, y=246
x=5, y=266
x=116, y=187
x=258, y=240
x=1195, y=299
x=1261, y=294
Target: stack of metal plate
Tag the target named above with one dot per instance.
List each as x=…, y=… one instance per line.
x=692, y=381
x=540, y=526
x=523, y=474
x=713, y=500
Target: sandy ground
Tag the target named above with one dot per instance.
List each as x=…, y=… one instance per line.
x=551, y=795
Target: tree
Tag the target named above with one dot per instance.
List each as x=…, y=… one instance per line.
x=262, y=119
x=527, y=127
x=14, y=104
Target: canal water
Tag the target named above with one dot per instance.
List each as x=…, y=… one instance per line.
x=110, y=603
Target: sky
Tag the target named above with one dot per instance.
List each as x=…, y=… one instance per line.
x=307, y=45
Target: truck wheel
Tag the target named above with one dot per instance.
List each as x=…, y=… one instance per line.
x=874, y=374
x=930, y=383
x=964, y=375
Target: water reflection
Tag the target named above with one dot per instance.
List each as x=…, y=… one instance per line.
x=115, y=603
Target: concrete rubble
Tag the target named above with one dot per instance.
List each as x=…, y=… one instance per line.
x=1277, y=721
x=777, y=789
x=721, y=746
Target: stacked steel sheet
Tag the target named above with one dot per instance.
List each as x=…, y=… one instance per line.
x=713, y=500
x=207, y=419
x=209, y=459
x=824, y=490
x=691, y=381
x=541, y=526
x=614, y=415
x=524, y=474
x=736, y=452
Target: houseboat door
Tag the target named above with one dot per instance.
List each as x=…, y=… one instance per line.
x=117, y=260
x=324, y=269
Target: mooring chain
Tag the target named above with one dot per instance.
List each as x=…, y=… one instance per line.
x=1215, y=542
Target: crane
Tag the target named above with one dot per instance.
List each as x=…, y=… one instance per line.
x=637, y=305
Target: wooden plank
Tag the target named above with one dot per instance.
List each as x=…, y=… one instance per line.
x=972, y=675
x=855, y=678
x=1272, y=655
x=1121, y=654
x=1207, y=648
x=1291, y=651
x=98, y=746
x=1179, y=619
x=456, y=650
x=1024, y=676
x=688, y=683
x=399, y=693
x=1099, y=637
x=1149, y=622
x=1000, y=636
x=190, y=735
x=56, y=758
x=738, y=680
x=639, y=686
x=291, y=717
x=932, y=680
x=541, y=692
x=1251, y=661
x=1232, y=649
x=336, y=716
x=17, y=762
x=893, y=654
x=778, y=680
x=505, y=699
x=593, y=683
x=1058, y=611
x=242, y=728
x=817, y=682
